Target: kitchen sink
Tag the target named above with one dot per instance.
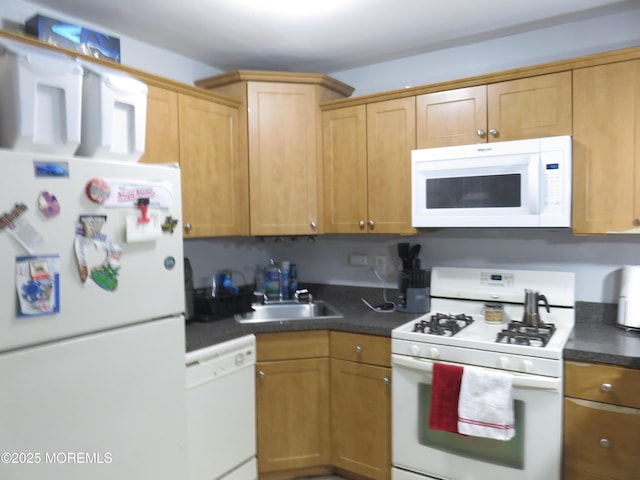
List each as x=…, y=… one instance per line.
x=277, y=312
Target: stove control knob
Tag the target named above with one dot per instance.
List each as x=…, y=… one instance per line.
x=503, y=362
x=527, y=366
x=415, y=350
x=435, y=353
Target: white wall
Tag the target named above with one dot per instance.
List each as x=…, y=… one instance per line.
x=135, y=54
x=575, y=39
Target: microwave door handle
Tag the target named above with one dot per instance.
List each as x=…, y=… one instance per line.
x=535, y=196
x=528, y=381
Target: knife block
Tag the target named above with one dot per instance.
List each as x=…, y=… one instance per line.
x=416, y=300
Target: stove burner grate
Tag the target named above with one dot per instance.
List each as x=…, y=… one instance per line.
x=443, y=325
x=519, y=333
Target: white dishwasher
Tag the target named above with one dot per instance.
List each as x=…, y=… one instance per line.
x=221, y=411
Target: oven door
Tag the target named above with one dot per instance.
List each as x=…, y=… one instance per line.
x=534, y=453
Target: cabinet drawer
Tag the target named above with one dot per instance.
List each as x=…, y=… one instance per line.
x=361, y=348
x=602, y=383
x=292, y=345
x=601, y=439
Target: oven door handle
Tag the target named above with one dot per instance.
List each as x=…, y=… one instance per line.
x=536, y=382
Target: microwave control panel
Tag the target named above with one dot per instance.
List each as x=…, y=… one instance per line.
x=553, y=185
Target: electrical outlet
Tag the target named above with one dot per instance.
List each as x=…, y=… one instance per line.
x=381, y=264
x=358, y=260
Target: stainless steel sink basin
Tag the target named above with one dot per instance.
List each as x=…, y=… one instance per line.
x=278, y=312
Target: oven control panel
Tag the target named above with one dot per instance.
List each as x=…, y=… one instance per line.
x=496, y=279
x=425, y=352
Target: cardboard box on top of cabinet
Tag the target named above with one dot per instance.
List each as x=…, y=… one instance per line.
x=74, y=37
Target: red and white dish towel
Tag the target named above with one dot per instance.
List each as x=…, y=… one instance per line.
x=481, y=401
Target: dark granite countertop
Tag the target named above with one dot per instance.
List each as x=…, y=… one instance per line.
x=595, y=338
x=357, y=318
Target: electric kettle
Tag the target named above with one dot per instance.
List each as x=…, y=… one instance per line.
x=532, y=300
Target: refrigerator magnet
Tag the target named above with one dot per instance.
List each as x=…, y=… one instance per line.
x=169, y=224
x=97, y=190
x=19, y=227
x=38, y=285
x=48, y=204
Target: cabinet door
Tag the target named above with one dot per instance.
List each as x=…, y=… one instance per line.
x=361, y=418
x=283, y=158
x=530, y=107
x=292, y=399
x=606, y=150
x=391, y=135
x=162, y=141
x=345, y=169
x=452, y=117
x=600, y=439
x=214, y=179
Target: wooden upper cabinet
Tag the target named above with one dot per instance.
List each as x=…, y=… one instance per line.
x=214, y=179
x=283, y=164
x=367, y=167
x=452, y=117
x=282, y=118
x=391, y=136
x=530, y=107
x=606, y=150
x=344, y=159
x=162, y=140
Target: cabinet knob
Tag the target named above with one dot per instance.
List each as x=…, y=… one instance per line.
x=361, y=223
x=261, y=374
x=358, y=349
x=187, y=227
x=606, y=387
x=493, y=132
x=313, y=225
x=604, y=442
x=372, y=223
x=386, y=381
x=481, y=133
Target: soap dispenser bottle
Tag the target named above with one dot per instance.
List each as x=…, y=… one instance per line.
x=273, y=281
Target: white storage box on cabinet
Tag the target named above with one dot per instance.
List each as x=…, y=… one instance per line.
x=114, y=114
x=40, y=99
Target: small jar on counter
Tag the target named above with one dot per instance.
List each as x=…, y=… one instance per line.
x=493, y=312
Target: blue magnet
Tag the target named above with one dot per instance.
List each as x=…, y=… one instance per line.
x=169, y=263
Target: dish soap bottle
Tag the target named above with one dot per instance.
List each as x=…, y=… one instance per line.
x=272, y=288
x=293, y=279
x=284, y=280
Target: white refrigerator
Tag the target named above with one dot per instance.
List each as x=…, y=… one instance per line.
x=91, y=320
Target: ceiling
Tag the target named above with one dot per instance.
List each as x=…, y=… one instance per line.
x=338, y=35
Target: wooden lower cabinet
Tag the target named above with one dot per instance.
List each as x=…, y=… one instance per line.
x=317, y=415
x=361, y=418
x=292, y=399
x=601, y=422
x=293, y=420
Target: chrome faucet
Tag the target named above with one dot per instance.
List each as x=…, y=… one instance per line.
x=303, y=292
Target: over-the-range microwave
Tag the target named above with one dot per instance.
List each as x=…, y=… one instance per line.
x=520, y=183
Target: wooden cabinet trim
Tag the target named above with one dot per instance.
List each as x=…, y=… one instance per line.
x=278, y=77
x=512, y=74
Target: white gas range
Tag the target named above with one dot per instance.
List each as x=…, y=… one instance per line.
x=458, y=331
